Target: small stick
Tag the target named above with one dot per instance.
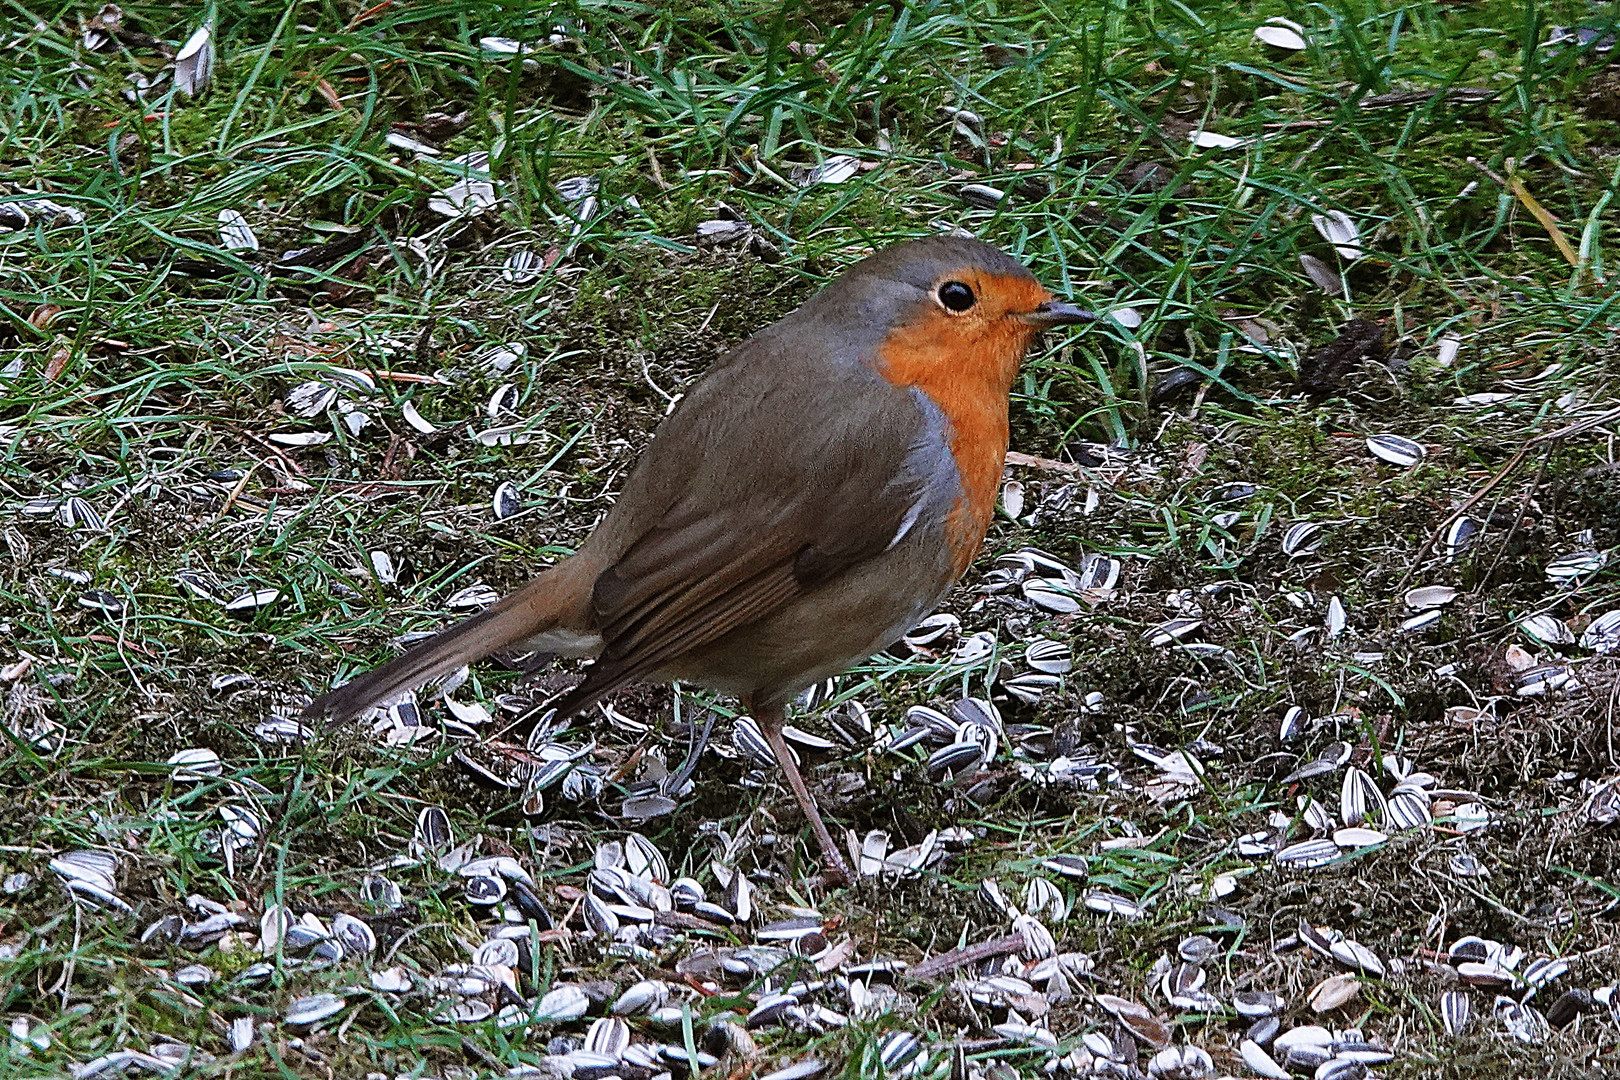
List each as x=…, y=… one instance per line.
x=1513, y=530
x=967, y=954
x=1513, y=463
x=1468, y=504
x=1030, y=461
x=657, y=173
x=403, y=376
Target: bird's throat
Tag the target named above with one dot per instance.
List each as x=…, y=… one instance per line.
x=970, y=381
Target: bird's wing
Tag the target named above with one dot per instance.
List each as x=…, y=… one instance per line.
x=769, y=480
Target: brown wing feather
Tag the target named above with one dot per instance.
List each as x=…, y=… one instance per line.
x=770, y=491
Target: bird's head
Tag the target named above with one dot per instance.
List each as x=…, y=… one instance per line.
x=953, y=308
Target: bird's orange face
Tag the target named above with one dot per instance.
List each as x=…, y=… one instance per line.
x=962, y=348
x=974, y=327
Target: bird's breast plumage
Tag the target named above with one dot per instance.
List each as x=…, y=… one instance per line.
x=969, y=383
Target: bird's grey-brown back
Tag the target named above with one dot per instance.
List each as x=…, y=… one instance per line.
x=799, y=404
x=791, y=463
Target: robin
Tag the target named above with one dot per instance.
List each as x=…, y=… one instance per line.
x=809, y=501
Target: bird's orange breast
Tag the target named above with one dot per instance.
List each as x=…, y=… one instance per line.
x=969, y=377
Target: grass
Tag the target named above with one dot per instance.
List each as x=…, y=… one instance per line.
x=143, y=367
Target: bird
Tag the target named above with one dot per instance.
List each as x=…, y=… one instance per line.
x=808, y=501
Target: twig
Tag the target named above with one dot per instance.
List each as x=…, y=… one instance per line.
x=1030, y=461
x=967, y=954
x=236, y=492
x=1564, y=432
x=1513, y=530
x=657, y=173
x=1468, y=504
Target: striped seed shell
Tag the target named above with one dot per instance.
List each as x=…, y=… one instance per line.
x=1603, y=634
x=1302, y=538
x=1396, y=450
x=1547, y=629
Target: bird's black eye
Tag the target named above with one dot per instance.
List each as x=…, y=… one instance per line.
x=956, y=296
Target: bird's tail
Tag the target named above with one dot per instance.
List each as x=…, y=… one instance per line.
x=554, y=599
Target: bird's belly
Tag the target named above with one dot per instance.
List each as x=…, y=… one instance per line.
x=827, y=631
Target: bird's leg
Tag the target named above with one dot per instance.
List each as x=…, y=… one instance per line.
x=770, y=721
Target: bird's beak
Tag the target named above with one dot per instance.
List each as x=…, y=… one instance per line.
x=1057, y=313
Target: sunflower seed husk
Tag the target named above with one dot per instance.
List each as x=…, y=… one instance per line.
x=505, y=501
x=1470, y=817
x=191, y=766
x=974, y=649
x=1359, y=798
x=1322, y=275
x=1353, y=839
x=1335, y=226
x=1353, y=954
x=799, y=1070
x=194, y=63
x=400, y=141
x=313, y=1009
x=471, y=598
x=1012, y=499
x=899, y=1049
x=244, y=605
x=521, y=267
x=1302, y=1036
x=357, y=937
x=641, y=998
x=564, y=1002
x=1395, y=450
x=470, y=196
x=1547, y=630
x=1136, y=1019
x=1302, y=538
x=1459, y=534
x=1430, y=596
x=835, y=170
x=1293, y=724
x=1539, y=681
x=1214, y=140
x=415, y=419
x=1112, y=904
x=983, y=196
x=1407, y=810
x=1098, y=573
x=1052, y=597
x=1261, y=1063
x=1281, y=34
x=1572, y=566
x=1455, y=1011
x=1053, y=657
x=1334, y=992
x=1128, y=317
x=1308, y=854
x=1168, y=633
x=1445, y=352
x=1602, y=635
x=933, y=629
x=608, y=1036
x=720, y=231
x=1030, y=686
x=989, y=890
x=1255, y=1004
